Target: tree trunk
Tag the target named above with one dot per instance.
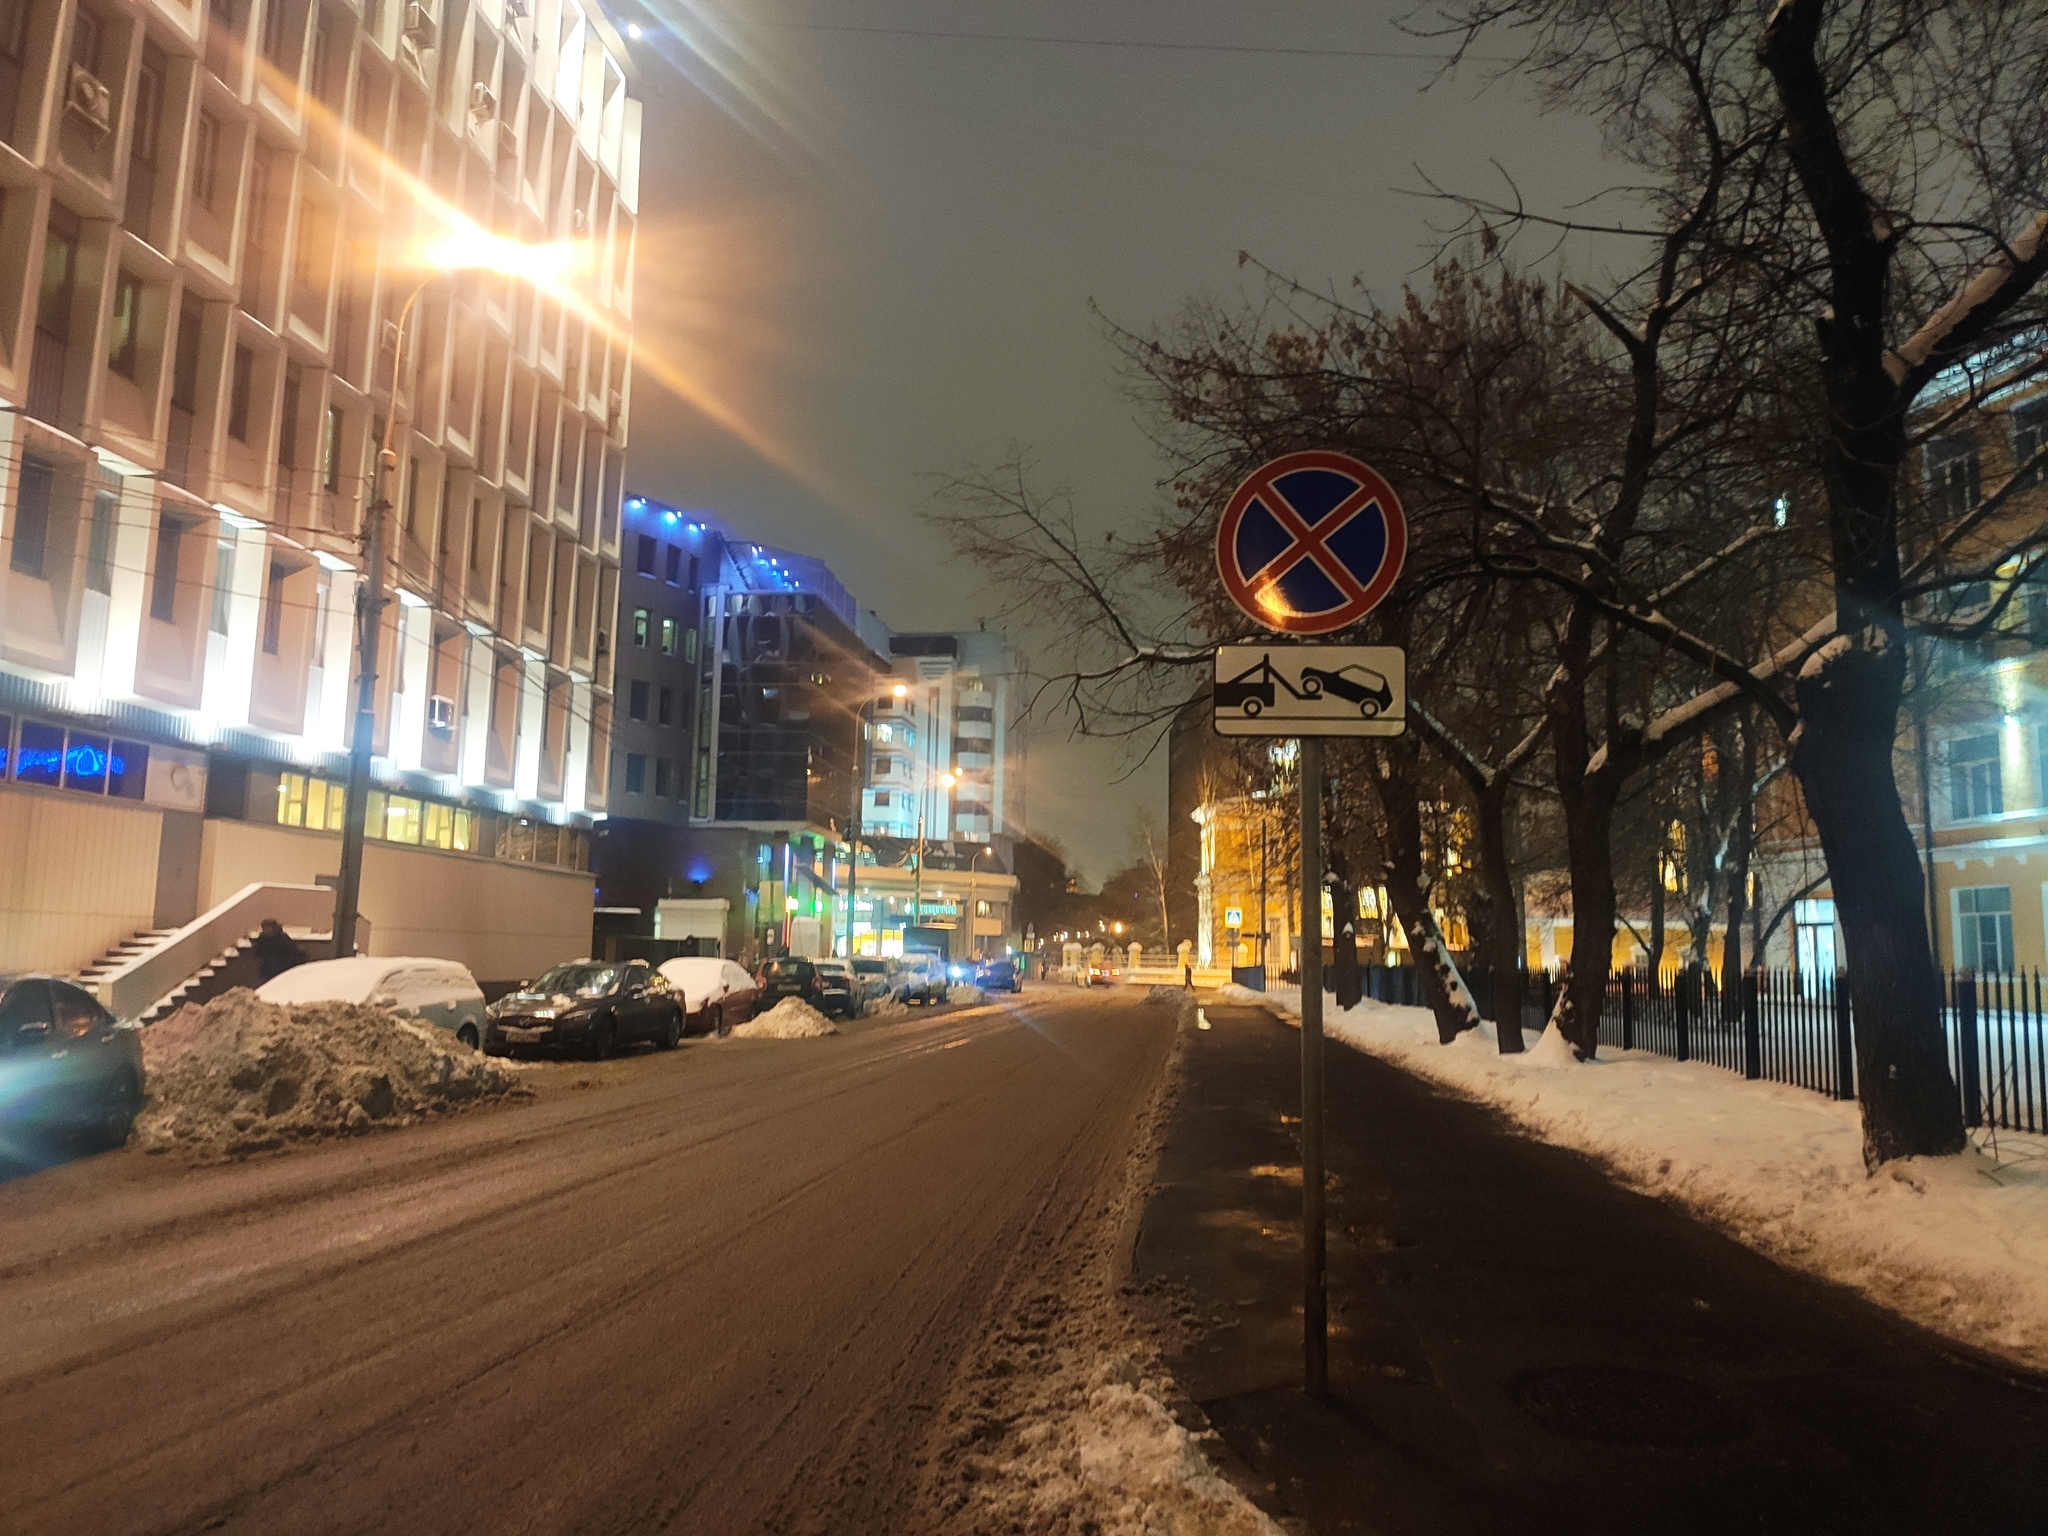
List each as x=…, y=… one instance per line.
x=1503, y=935
x=1344, y=958
x=1589, y=841
x=1741, y=840
x=1408, y=895
x=1657, y=905
x=1848, y=713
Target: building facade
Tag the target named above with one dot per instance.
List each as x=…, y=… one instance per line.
x=948, y=751
x=211, y=220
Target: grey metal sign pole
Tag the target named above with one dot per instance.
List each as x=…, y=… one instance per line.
x=1315, y=1301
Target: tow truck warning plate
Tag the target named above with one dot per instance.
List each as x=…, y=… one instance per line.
x=1311, y=690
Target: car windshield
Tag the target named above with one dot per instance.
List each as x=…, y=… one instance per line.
x=872, y=967
x=788, y=968
x=579, y=979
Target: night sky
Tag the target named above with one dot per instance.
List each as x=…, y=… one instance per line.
x=868, y=253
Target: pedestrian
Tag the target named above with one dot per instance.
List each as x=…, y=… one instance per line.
x=275, y=950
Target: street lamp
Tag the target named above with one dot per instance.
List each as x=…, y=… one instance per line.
x=460, y=251
x=974, y=938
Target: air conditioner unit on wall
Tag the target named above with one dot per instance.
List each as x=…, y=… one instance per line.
x=483, y=103
x=90, y=101
x=420, y=30
x=440, y=713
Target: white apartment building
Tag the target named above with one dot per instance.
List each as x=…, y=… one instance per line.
x=210, y=219
x=956, y=720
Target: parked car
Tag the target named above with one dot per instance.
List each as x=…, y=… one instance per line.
x=998, y=974
x=791, y=976
x=67, y=1066
x=438, y=992
x=923, y=979
x=715, y=994
x=877, y=977
x=841, y=991
x=591, y=1007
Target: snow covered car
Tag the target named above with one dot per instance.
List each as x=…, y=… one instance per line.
x=839, y=988
x=716, y=994
x=67, y=1066
x=437, y=992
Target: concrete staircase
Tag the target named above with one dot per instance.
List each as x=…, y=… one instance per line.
x=148, y=975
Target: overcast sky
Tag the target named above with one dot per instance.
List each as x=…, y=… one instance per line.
x=868, y=254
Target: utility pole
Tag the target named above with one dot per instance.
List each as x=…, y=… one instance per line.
x=1315, y=1304
x=370, y=601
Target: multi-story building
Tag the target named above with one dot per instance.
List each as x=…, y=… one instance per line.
x=947, y=751
x=212, y=221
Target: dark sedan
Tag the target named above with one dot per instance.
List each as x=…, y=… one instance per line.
x=589, y=1008
x=794, y=976
x=998, y=975
x=67, y=1066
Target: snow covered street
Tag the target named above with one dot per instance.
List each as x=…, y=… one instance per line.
x=1957, y=1244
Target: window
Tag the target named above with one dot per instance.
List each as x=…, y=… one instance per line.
x=85, y=41
x=689, y=645
x=330, y=449
x=675, y=565
x=437, y=825
x=1952, y=475
x=645, y=563
x=1975, y=787
x=664, y=710
x=661, y=777
x=40, y=759
x=85, y=763
x=125, y=324
x=273, y=606
x=288, y=418
x=274, y=35
x=239, y=392
x=881, y=799
x=668, y=637
x=636, y=708
x=1984, y=929
x=223, y=584
x=640, y=617
x=2029, y=426
x=412, y=493
x=206, y=160
x=99, y=550
x=884, y=764
x=395, y=818
x=636, y=773
x=163, y=581
x=32, y=516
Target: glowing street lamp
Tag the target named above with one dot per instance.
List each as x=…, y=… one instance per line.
x=469, y=250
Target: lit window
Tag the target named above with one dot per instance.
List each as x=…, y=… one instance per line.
x=1984, y=929
x=1975, y=785
x=640, y=622
x=669, y=631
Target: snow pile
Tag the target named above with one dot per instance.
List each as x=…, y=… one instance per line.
x=790, y=1019
x=963, y=992
x=1958, y=1244
x=1172, y=996
x=886, y=1008
x=240, y=1074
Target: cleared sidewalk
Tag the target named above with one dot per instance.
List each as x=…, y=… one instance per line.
x=1521, y=1345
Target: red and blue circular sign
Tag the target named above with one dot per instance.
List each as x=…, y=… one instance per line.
x=1311, y=543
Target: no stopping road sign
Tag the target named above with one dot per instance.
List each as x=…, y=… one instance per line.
x=1311, y=542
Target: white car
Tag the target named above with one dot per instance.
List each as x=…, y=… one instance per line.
x=717, y=994
x=437, y=992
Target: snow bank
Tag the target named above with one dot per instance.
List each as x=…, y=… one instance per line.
x=790, y=1019
x=1958, y=1244
x=1101, y=1452
x=240, y=1074
x=963, y=992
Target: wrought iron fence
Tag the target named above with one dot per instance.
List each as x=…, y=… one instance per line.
x=1787, y=1028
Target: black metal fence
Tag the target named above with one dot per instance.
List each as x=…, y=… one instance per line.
x=1787, y=1028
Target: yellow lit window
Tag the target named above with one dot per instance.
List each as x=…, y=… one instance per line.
x=402, y=819
x=465, y=831
x=291, y=800
x=437, y=825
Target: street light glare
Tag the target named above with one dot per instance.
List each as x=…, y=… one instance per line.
x=900, y=691
x=480, y=250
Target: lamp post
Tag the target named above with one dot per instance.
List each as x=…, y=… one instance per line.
x=974, y=938
x=467, y=250
x=917, y=875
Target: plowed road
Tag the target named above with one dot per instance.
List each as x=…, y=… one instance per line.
x=719, y=1291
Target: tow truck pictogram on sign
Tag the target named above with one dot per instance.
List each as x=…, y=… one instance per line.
x=1311, y=542
x=1310, y=690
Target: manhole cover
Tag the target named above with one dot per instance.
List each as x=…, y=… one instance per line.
x=1626, y=1407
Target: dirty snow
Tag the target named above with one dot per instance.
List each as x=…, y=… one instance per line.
x=1959, y=1244
x=963, y=993
x=1059, y=1423
x=239, y=1074
x=790, y=1019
